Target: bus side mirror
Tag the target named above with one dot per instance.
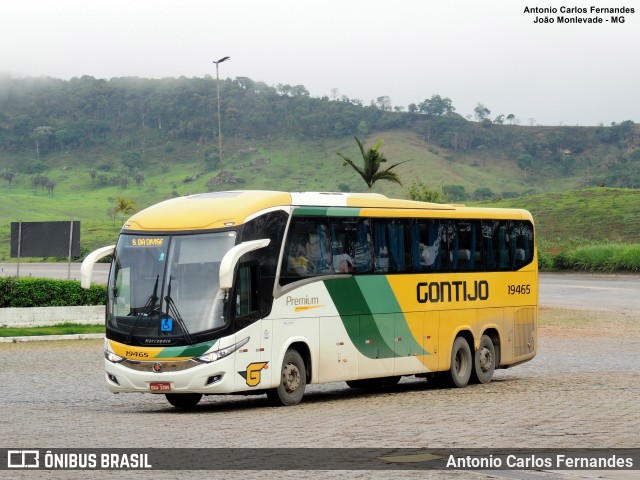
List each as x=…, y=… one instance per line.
x=230, y=259
x=86, y=269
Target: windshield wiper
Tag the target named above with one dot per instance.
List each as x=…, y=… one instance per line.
x=148, y=308
x=172, y=309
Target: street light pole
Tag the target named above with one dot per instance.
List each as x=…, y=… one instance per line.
x=223, y=59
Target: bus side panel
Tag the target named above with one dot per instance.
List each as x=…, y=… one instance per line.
x=521, y=328
x=287, y=331
x=338, y=355
x=430, y=336
x=375, y=343
x=252, y=366
x=408, y=343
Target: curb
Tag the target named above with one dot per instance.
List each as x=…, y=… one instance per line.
x=38, y=338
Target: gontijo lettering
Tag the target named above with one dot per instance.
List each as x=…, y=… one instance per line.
x=457, y=291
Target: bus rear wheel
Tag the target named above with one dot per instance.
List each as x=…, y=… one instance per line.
x=183, y=400
x=461, y=364
x=292, y=382
x=484, y=362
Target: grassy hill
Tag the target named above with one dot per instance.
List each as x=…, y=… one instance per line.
x=567, y=213
x=570, y=219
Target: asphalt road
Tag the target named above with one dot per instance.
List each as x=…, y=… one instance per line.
x=63, y=271
x=590, y=291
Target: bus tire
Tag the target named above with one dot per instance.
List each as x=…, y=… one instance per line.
x=293, y=381
x=484, y=363
x=183, y=400
x=461, y=363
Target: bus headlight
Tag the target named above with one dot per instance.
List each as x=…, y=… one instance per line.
x=109, y=355
x=221, y=353
x=112, y=357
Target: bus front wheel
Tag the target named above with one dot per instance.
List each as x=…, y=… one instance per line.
x=485, y=361
x=183, y=400
x=292, y=382
x=461, y=363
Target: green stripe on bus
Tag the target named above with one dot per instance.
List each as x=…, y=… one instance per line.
x=310, y=211
x=347, y=296
x=366, y=334
x=381, y=299
x=326, y=211
x=343, y=212
x=189, y=351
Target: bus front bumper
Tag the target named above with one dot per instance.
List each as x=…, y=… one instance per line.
x=151, y=377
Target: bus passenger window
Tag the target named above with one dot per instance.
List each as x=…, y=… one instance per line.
x=466, y=246
x=308, y=249
x=521, y=244
x=380, y=247
x=496, y=244
x=362, y=252
x=350, y=245
x=391, y=246
x=298, y=261
x=427, y=239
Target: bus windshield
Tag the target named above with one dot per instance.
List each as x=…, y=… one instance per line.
x=166, y=287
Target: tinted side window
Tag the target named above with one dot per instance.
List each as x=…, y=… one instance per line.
x=428, y=246
x=522, y=245
x=391, y=246
x=465, y=246
x=495, y=235
x=307, y=250
x=351, y=245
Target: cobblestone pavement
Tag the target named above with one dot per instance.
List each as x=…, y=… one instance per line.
x=581, y=390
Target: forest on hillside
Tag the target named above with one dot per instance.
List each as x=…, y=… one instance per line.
x=42, y=115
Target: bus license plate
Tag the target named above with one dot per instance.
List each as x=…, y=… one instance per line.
x=160, y=386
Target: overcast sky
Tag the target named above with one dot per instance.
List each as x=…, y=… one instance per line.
x=472, y=51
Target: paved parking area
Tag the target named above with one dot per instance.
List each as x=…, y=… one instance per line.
x=581, y=390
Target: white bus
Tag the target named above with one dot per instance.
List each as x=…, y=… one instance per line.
x=266, y=292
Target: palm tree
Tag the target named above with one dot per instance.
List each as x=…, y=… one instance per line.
x=124, y=206
x=372, y=159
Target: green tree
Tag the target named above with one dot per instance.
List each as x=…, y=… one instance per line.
x=132, y=160
x=455, y=193
x=41, y=135
x=481, y=112
x=123, y=205
x=483, y=193
x=422, y=193
x=436, y=106
x=525, y=162
x=372, y=160
x=363, y=128
x=139, y=177
x=7, y=176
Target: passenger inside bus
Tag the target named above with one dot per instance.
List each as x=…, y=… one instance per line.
x=343, y=263
x=298, y=261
